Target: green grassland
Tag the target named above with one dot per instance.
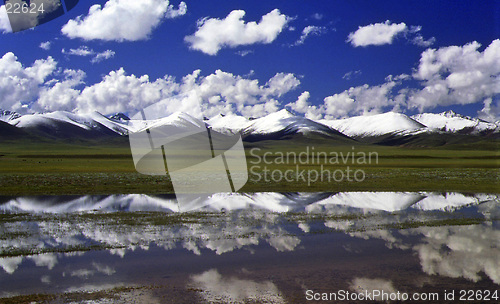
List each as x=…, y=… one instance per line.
x=57, y=168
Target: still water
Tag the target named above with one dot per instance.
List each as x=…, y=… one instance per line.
x=256, y=247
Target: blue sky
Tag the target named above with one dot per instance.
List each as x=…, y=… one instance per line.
x=354, y=58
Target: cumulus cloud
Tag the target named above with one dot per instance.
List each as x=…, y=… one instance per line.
x=122, y=20
x=107, y=54
x=20, y=85
x=86, y=51
x=45, y=45
x=385, y=33
x=420, y=41
x=301, y=105
x=360, y=100
x=60, y=95
x=490, y=111
x=310, y=30
x=454, y=75
x=376, y=34
x=219, y=92
x=214, y=34
x=457, y=75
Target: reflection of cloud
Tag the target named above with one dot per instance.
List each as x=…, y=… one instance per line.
x=361, y=285
x=10, y=264
x=217, y=289
x=45, y=279
x=48, y=260
x=463, y=251
x=284, y=243
x=98, y=268
x=452, y=251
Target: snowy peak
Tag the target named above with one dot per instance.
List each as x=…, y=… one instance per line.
x=286, y=123
x=8, y=115
x=374, y=125
x=450, y=121
x=228, y=124
x=177, y=119
x=60, y=122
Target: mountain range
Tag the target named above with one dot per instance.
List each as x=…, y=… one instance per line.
x=387, y=129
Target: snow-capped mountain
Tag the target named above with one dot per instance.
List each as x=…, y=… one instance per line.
x=8, y=115
x=228, y=124
x=283, y=123
x=67, y=125
x=450, y=121
x=177, y=119
x=387, y=128
x=374, y=125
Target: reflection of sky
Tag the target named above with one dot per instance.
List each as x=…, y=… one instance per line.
x=449, y=251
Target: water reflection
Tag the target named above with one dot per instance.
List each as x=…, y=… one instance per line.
x=270, y=201
x=214, y=288
x=264, y=247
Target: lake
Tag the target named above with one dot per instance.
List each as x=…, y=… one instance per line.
x=251, y=247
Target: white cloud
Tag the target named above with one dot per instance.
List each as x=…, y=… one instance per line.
x=301, y=105
x=214, y=34
x=310, y=30
x=349, y=75
x=244, y=53
x=122, y=20
x=81, y=51
x=385, y=33
x=107, y=54
x=490, y=111
x=317, y=16
x=220, y=92
x=19, y=85
x=45, y=45
x=85, y=51
x=420, y=41
x=360, y=100
x=60, y=95
x=376, y=34
x=457, y=75
x=4, y=21
x=454, y=75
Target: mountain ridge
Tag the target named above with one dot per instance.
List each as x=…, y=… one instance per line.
x=389, y=128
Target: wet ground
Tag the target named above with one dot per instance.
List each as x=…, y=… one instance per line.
x=252, y=248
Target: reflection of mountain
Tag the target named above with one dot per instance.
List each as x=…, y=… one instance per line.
x=270, y=201
x=463, y=251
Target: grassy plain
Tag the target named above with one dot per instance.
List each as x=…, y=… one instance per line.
x=61, y=168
